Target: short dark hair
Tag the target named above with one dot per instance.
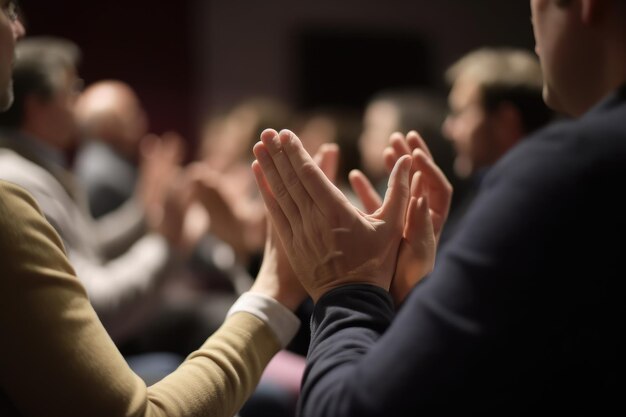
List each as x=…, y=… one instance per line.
x=506, y=75
x=39, y=66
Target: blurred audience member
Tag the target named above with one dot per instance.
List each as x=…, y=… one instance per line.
x=495, y=102
x=113, y=122
x=333, y=125
x=401, y=111
x=238, y=217
x=37, y=132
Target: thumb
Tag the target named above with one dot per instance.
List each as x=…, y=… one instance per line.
x=397, y=196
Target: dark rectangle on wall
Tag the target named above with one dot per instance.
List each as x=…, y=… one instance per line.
x=340, y=67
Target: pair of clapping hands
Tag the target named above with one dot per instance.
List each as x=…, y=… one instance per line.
x=326, y=241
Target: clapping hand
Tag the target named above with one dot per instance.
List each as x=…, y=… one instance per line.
x=328, y=241
x=431, y=194
x=276, y=277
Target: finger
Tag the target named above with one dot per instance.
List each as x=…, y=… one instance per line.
x=287, y=173
x=175, y=146
x=320, y=189
x=365, y=191
x=148, y=145
x=398, y=142
x=434, y=180
x=390, y=157
x=198, y=171
x=396, y=148
x=436, y=186
x=327, y=158
x=417, y=188
x=415, y=141
x=279, y=219
x=419, y=225
x=275, y=184
x=396, y=199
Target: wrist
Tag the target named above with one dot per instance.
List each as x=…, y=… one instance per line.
x=319, y=292
x=268, y=285
x=283, y=322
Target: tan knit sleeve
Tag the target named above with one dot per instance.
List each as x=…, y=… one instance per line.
x=56, y=359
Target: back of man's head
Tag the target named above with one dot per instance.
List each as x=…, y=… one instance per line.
x=506, y=75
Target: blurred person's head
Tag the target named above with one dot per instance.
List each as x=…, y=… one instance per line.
x=210, y=134
x=10, y=30
x=494, y=102
x=400, y=111
x=316, y=129
x=46, y=86
x=228, y=140
x=110, y=111
x=341, y=126
x=582, y=48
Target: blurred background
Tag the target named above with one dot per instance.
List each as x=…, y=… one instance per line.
x=192, y=58
x=209, y=76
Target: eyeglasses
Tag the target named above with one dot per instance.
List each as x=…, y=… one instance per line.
x=9, y=8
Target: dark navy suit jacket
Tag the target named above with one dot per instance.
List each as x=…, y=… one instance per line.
x=525, y=312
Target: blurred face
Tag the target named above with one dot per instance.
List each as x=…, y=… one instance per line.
x=380, y=121
x=316, y=132
x=226, y=143
x=10, y=30
x=469, y=127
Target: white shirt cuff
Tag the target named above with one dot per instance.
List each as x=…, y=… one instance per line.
x=279, y=318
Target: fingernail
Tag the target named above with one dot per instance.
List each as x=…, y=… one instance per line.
x=284, y=136
x=261, y=153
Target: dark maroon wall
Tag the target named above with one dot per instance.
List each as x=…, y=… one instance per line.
x=143, y=42
x=189, y=57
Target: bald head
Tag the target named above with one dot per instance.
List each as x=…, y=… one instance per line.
x=110, y=111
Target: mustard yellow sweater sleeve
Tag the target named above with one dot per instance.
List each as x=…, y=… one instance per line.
x=56, y=359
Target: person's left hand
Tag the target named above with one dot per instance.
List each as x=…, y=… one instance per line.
x=430, y=202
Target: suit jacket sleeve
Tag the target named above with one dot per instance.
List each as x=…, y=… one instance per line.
x=498, y=287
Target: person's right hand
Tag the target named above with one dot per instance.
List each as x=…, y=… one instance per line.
x=328, y=241
x=276, y=277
